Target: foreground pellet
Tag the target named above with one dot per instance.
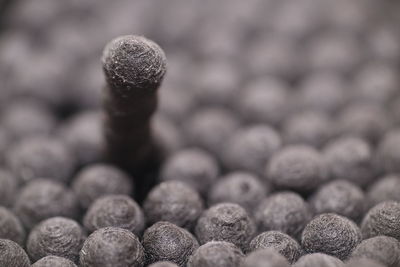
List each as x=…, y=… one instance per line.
x=12, y=255
x=54, y=261
x=216, y=253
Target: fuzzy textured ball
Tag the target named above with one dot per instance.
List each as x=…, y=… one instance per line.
x=216, y=253
x=318, y=259
x=54, y=261
x=266, y=257
x=12, y=255
x=11, y=227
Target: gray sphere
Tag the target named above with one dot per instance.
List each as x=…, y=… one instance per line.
x=42, y=199
x=174, y=202
x=8, y=188
x=143, y=68
x=384, y=189
x=285, y=211
x=55, y=162
x=300, y=168
x=331, y=234
x=382, y=219
x=282, y=243
x=56, y=236
x=97, y=180
x=318, y=259
x=192, y=166
x=382, y=249
x=266, y=257
x=226, y=222
x=11, y=227
x=164, y=241
x=12, y=255
x=115, y=211
x=388, y=153
x=112, y=247
x=249, y=149
x=241, y=188
x=54, y=261
x=340, y=197
x=364, y=262
x=216, y=253
x=350, y=158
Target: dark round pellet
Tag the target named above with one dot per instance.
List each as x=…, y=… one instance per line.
x=279, y=241
x=226, y=222
x=40, y=157
x=54, y=261
x=115, y=211
x=350, y=158
x=340, y=197
x=8, y=188
x=250, y=148
x=300, y=168
x=11, y=227
x=174, y=202
x=97, y=180
x=192, y=166
x=41, y=199
x=12, y=255
x=285, y=211
x=241, y=188
x=265, y=257
x=382, y=219
x=112, y=247
x=331, y=234
x=216, y=253
x=382, y=249
x=56, y=236
x=164, y=241
x=384, y=189
x=318, y=259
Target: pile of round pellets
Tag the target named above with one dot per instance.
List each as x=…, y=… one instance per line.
x=188, y=133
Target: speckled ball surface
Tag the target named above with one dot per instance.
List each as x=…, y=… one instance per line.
x=12, y=255
x=56, y=236
x=163, y=264
x=382, y=219
x=54, y=261
x=267, y=257
x=284, y=244
x=384, y=189
x=164, y=241
x=331, y=234
x=216, y=253
x=112, y=247
x=285, y=211
x=318, y=259
x=226, y=222
x=175, y=202
x=11, y=227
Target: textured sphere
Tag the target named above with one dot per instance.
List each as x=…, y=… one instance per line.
x=40, y=157
x=174, y=202
x=216, y=253
x=116, y=211
x=226, y=222
x=340, y=197
x=164, y=241
x=350, y=158
x=382, y=219
x=284, y=244
x=249, y=149
x=192, y=166
x=11, y=227
x=311, y=128
x=388, y=152
x=41, y=199
x=318, y=259
x=331, y=234
x=112, y=247
x=364, y=262
x=97, y=180
x=384, y=189
x=285, y=211
x=133, y=62
x=382, y=249
x=56, y=236
x=267, y=257
x=12, y=255
x=54, y=261
x=298, y=167
x=8, y=188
